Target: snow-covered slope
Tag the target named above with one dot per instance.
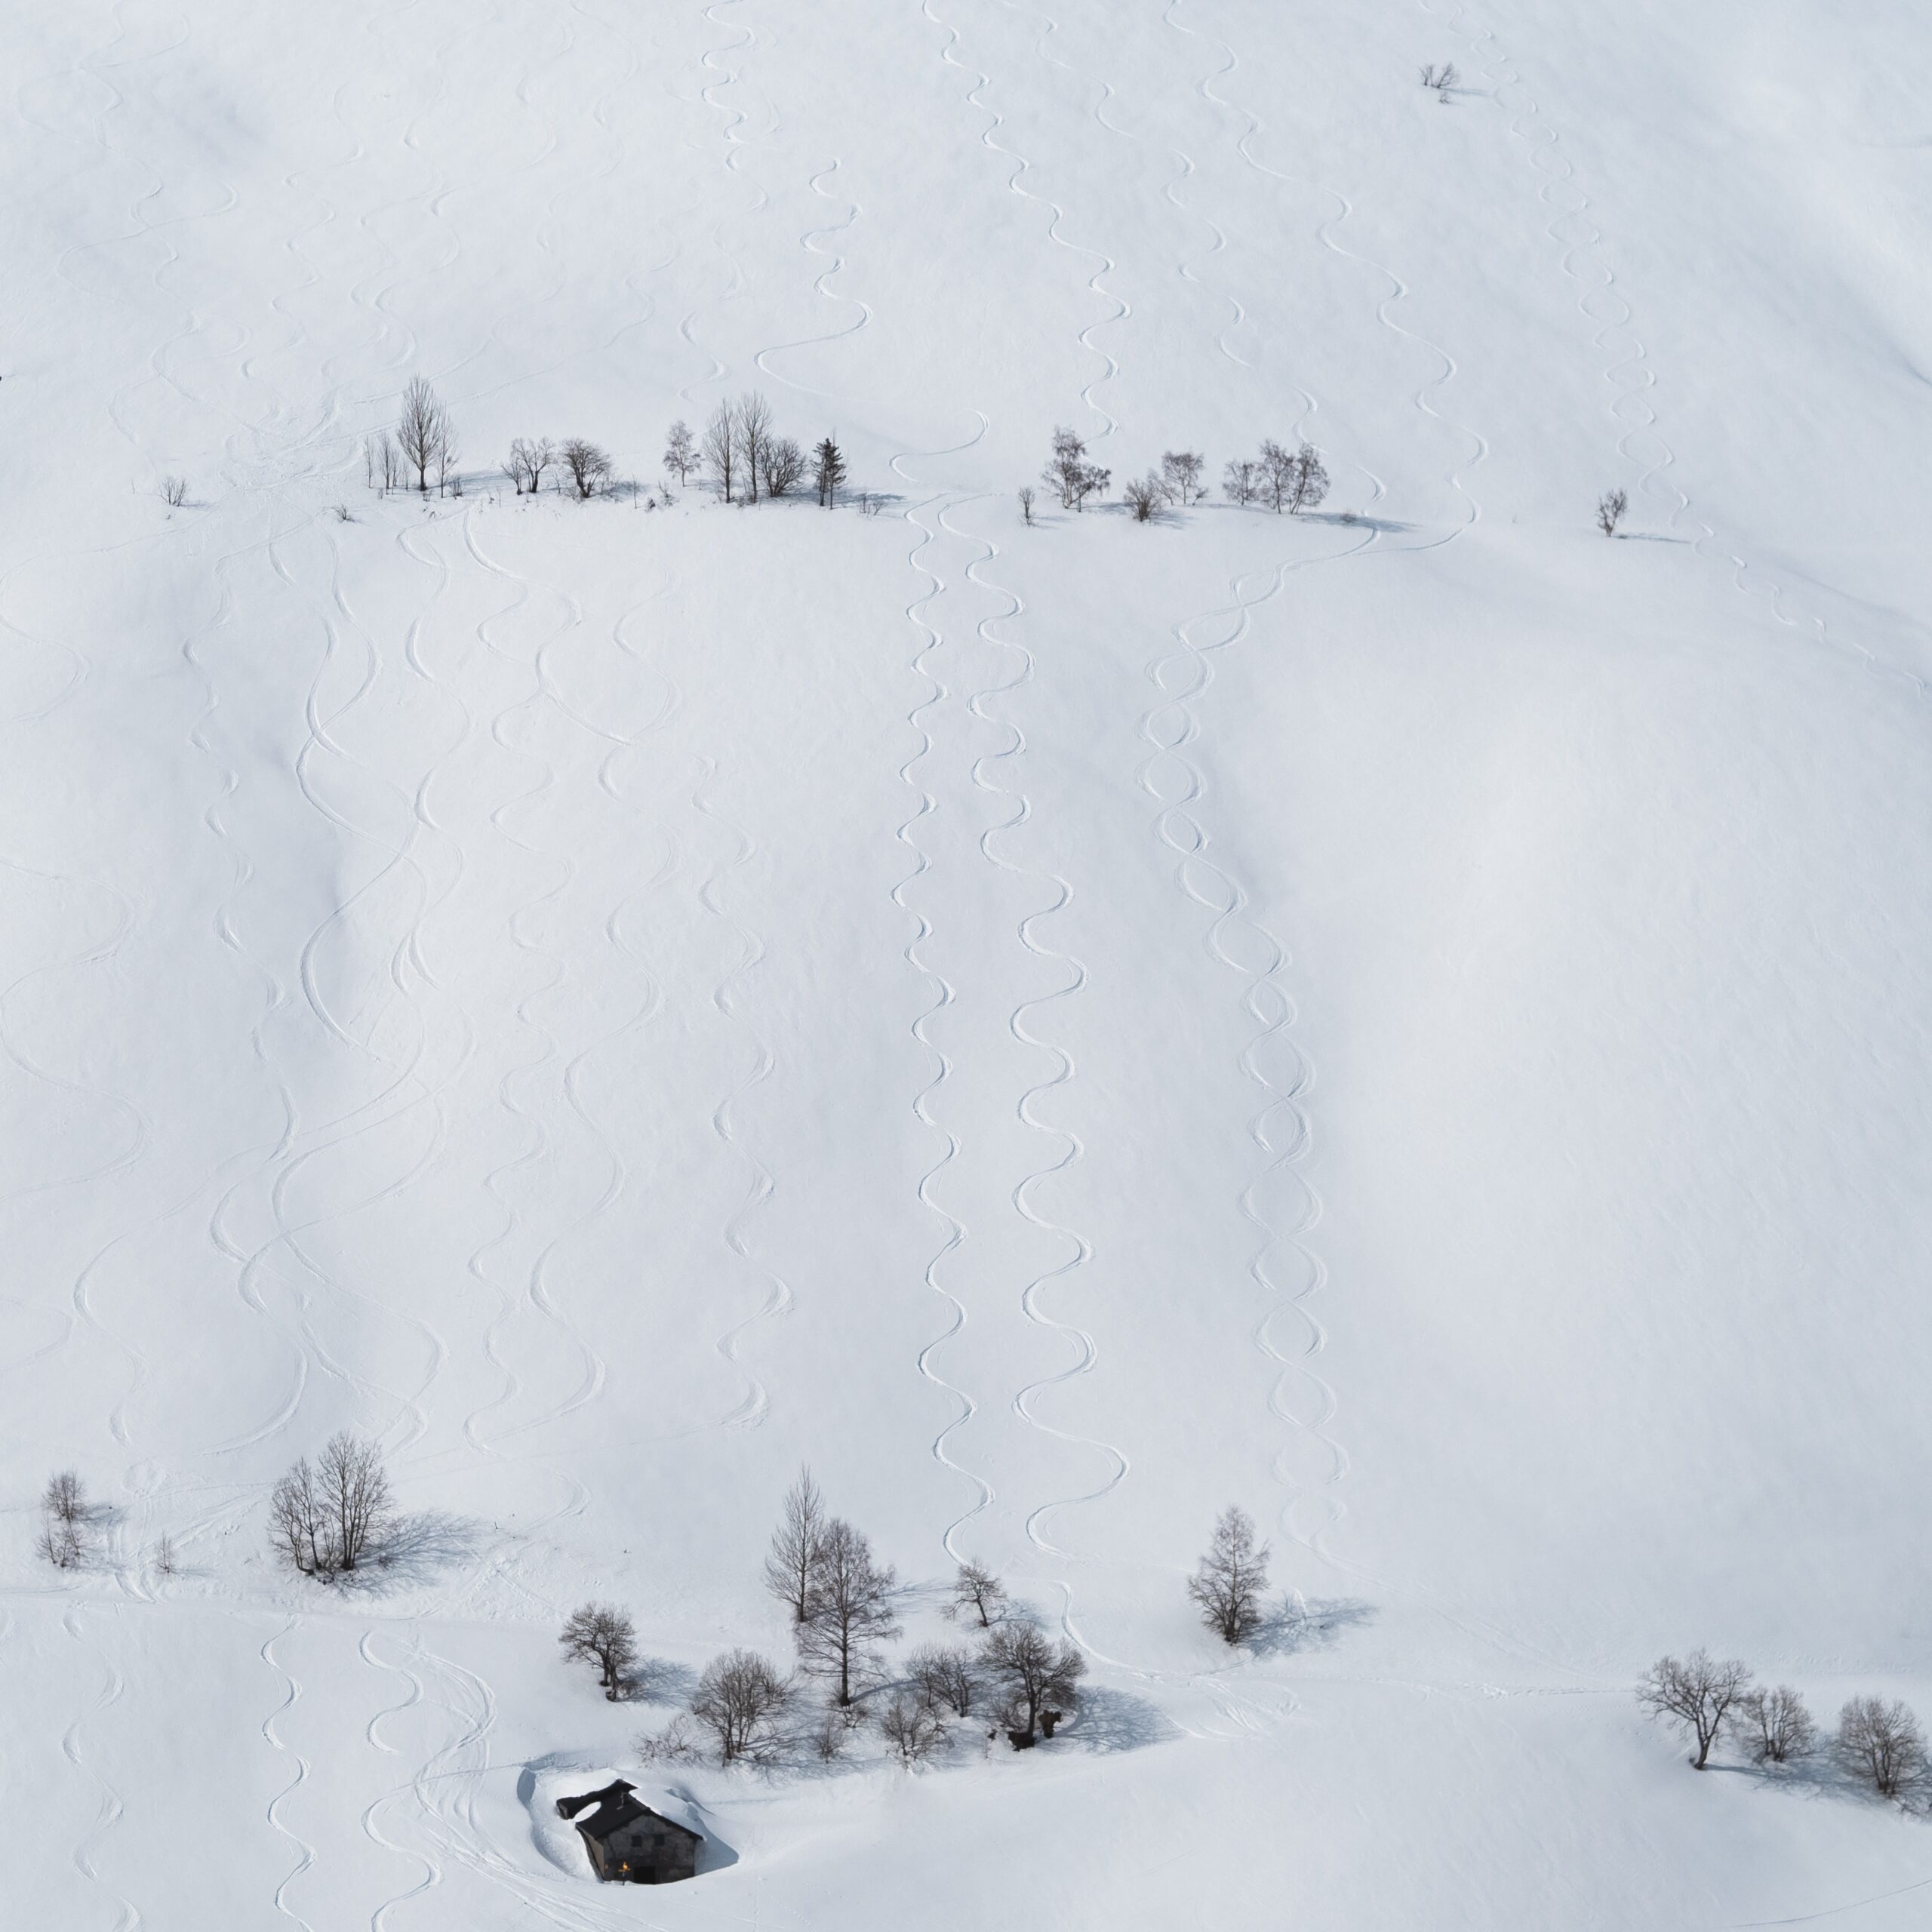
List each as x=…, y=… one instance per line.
x=1411, y=1019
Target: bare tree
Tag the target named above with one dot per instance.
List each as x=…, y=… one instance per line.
x=1881, y=1744
x=1144, y=497
x=720, y=446
x=1233, y=1574
x=1241, y=479
x=784, y=466
x=528, y=461
x=602, y=1634
x=946, y=1677
x=912, y=1728
x=752, y=418
x=1069, y=472
x=671, y=1745
x=383, y=464
x=1440, y=79
x=1182, y=471
x=680, y=452
x=298, y=1523
x=848, y=1612
x=1307, y=481
x=353, y=1489
x=796, y=1546
x=1783, y=1725
x=61, y=1543
x=65, y=1498
x=1035, y=1673
x=423, y=431
x=1026, y=502
x=163, y=1557
x=740, y=1699
x=447, y=450
x=1697, y=1692
x=1611, y=506
x=976, y=1588
x=175, y=492
x=589, y=467
x=828, y=471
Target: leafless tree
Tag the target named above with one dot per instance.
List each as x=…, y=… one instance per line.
x=945, y=1676
x=828, y=471
x=796, y=1546
x=1881, y=1744
x=1026, y=502
x=976, y=1588
x=175, y=492
x=1069, y=472
x=528, y=461
x=589, y=467
x=1308, y=480
x=913, y=1730
x=383, y=465
x=720, y=446
x=447, y=453
x=354, y=1490
x=1698, y=1692
x=1441, y=79
x=1611, y=506
x=1182, y=471
x=848, y=1612
x=1241, y=479
x=751, y=417
x=1144, y=497
x=65, y=1498
x=166, y=1562
x=784, y=466
x=299, y=1524
x=602, y=1634
x=1229, y=1584
x=739, y=1700
x=422, y=431
x=671, y=1745
x=1783, y=1725
x=1034, y=1673
x=680, y=452
x=62, y=1544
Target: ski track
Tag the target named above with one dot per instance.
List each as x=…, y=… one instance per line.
x=111, y=1809
x=303, y=1852
x=953, y=1231
x=432, y=1870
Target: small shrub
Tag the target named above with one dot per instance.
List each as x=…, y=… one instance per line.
x=1611, y=506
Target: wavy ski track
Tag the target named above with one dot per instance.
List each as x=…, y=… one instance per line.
x=953, y=1230
x=1086, y=1351
x=111, y=1809
x=432, y=1870
x=1109, y=368
x=304, y=1852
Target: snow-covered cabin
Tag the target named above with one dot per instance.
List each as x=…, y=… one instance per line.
x=629, y=1841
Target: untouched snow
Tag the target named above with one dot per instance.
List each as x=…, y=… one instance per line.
x=1416, y=1024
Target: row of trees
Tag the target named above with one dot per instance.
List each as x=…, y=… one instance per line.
x=1878, y=1741
x=1281, y=477
x=741, y=451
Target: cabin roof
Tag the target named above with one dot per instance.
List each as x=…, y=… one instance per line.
x=624, y=1809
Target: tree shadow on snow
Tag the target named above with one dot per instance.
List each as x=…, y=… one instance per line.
x=1109, y=1720
x=1821, y=1778
x=1310, y=1623
x=660, y=1681
x=414, y=1550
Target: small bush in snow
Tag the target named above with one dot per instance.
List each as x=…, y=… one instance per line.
x=175, y=492
x=1440, y=80
x=912, y=1729
x=1611, y=506
x=1698, y=1692
x=1026, y=502
x=1881, y=1744
x=1144, y=497
x=673, y=1744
